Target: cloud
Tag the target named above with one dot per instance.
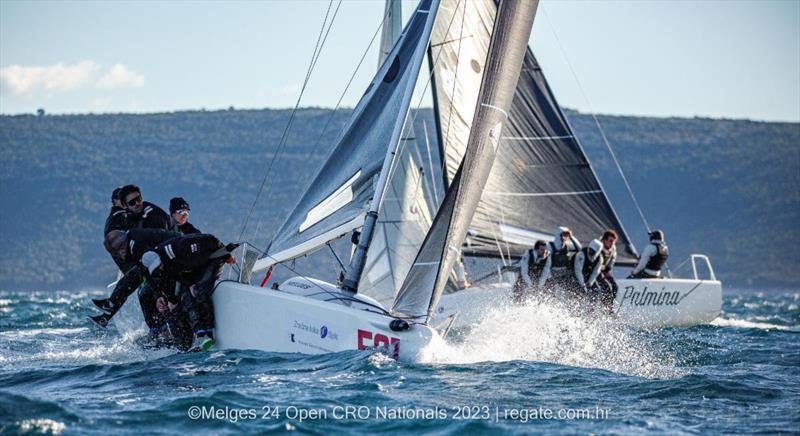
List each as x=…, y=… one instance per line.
x=27, y=80
x=21, y=80
x=119, y=77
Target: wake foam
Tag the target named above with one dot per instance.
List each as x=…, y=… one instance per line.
x=744, y=324
x=547, y=331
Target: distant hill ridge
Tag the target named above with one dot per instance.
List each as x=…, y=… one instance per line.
x=727, y=188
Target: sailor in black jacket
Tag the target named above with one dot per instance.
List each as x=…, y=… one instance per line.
x=117, y=220
x=128, y=246
x=179, y=217
x=142, y=214
x=196, y=261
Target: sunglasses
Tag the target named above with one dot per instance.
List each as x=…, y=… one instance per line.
x=134, y=201
x=182, y=211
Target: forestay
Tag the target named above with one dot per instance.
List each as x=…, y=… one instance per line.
x=340, y=195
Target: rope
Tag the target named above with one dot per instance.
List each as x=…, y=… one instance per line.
x=597, y=123
x=314, y=57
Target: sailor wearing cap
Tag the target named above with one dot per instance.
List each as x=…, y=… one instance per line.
x=179, y=217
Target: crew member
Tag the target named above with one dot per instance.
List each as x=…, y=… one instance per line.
x=532, y=266
x=142, y=214
x=129, y=246
x=654, y=257
x=562, y=253
x=196, y=261
x=179, y=217
x=588, y=263
x=608, y=285
x=117, y=220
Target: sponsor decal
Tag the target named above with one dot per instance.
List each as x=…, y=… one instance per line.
x=646, y=297
x=379, y=341
x=323, y=332
x=194, y=248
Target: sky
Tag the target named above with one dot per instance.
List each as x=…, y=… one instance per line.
x=720, y=59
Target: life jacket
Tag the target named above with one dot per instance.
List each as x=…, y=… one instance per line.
x=608, y=257
x=588, y=263
x=659, y=259
x=561, y=258
x=535, y=267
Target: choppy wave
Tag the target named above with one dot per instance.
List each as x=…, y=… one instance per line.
x=59, y=375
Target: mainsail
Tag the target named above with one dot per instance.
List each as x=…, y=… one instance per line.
x=541, y=179
x=352, y=181
x=426, y=280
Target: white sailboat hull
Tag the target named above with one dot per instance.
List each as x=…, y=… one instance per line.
x=250, y=317
x=647, y=303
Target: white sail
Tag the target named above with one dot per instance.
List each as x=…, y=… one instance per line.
x=405, y=215
x=427, y=278
x=353, y=179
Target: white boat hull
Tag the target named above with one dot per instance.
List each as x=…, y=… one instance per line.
x=250, y=317
x=648, y=303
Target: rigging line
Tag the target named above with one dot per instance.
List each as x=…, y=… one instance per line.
x=597, y=123
x=349, y=82
x=285, y=136
x=294, y=271
x=315, y=56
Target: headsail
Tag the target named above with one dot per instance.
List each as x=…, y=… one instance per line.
x=405, y=216
x=428, y=276
x=338, y=199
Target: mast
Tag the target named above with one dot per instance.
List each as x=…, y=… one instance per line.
x=359, y=258
x=392, y=26
x=425, y=282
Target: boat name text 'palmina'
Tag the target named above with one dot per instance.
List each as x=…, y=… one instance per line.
x=651, y=298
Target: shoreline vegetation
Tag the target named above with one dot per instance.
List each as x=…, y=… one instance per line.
x=726, y=188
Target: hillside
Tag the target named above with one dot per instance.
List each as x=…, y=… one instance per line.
x=728, y=188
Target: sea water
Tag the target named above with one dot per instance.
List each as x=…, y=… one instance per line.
x=530, y=368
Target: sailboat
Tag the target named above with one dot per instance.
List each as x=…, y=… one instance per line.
x=541, y=180
x=349, y=193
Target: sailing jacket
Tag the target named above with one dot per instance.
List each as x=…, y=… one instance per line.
x=654, y=256
x=587, y=268
x=185, y=229
x=532, y=268
x=187, y=258
x=117, y=220
x=141, y=241
x=563, y=254
x=609, y=259
x=152, y=217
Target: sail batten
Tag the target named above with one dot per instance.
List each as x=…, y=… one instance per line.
x=542, y=168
